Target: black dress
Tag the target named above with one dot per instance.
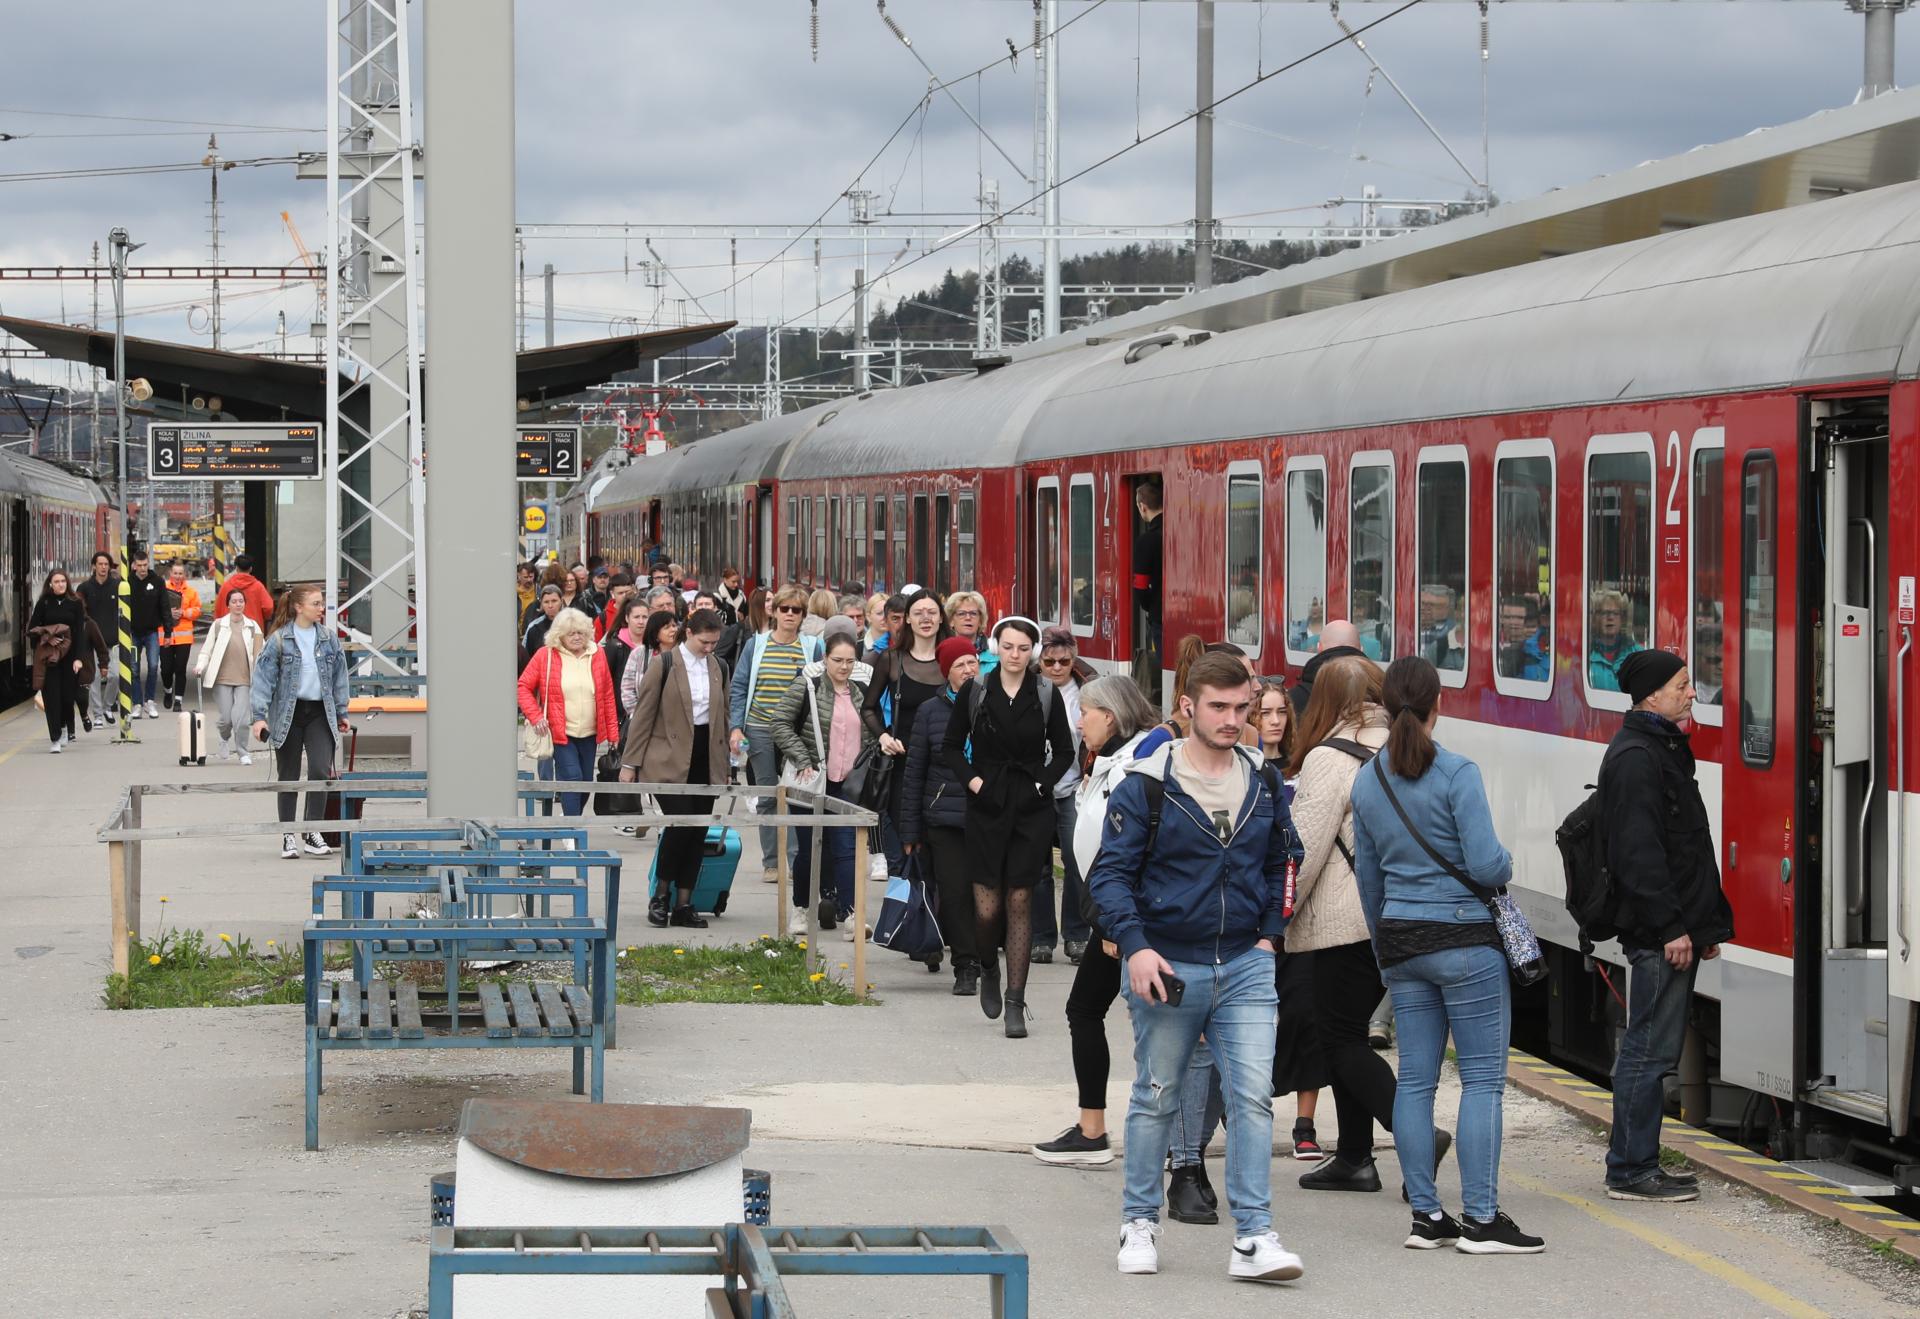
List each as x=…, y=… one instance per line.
x=1018, y=754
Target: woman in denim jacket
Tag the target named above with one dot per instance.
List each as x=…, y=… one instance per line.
x=300, y=704
x=1441, y=958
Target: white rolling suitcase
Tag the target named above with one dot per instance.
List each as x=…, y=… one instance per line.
x=193, y=732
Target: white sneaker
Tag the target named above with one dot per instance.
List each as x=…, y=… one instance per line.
x=1263, y=1259
x=153, y=711
x=877, y=868
x=1138, y=1253
x=315, y=845
x=54, y=748
x=246, y=758
x=289, y=848
x=138, y=713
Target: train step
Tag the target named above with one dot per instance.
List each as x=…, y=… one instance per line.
x=1862, y=1183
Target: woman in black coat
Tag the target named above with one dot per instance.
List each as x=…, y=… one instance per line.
x=1009, y=741
x=933, y=816
x=57, y=631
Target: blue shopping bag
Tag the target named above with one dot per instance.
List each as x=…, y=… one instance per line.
x=908, y=922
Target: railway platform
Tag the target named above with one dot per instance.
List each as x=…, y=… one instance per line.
x=154, y=1164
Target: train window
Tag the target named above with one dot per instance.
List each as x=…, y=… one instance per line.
x=857, y=541
x=1243, y=594
x=943, y=545
x=1440, y=560
x=1046, y=551
x=1706, y=522
x=1306, y=532
x=817, y=570
x=900, y=542
x=922, y=537
x=1080, y=555
x=1619, y=560
x=1370, y=552
x=881, y=581
x=793, y=540
x=1759, y=553
x=964, y=513
x=1523, y=568
x=836, y=544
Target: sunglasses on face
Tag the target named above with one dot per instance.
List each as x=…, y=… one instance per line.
x=1059, y=661
x=789, y=609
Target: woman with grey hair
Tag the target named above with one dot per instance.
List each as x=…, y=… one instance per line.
x=1117, y=726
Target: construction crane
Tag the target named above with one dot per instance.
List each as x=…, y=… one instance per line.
x=310, y=261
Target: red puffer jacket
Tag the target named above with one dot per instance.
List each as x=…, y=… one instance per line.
x=537, y=694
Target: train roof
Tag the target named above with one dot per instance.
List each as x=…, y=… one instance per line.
x=1822, y=293
x=22, y=475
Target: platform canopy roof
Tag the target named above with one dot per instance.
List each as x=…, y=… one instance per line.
x=255, y=388
x=1851, y=149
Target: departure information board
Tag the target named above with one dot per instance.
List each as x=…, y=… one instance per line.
x=234, y=451
x=547, y=453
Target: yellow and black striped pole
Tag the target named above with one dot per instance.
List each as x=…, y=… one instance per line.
x=126, y=647
x=222, y=555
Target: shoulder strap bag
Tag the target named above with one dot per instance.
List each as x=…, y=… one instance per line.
x=1524, y=959
x=534, y=744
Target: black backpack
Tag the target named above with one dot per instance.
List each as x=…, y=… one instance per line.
x=1591, y=900
x=1156, y=790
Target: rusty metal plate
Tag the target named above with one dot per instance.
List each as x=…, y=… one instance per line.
x=605, y=1141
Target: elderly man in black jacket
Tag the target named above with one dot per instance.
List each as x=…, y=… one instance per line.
x=1671, y=912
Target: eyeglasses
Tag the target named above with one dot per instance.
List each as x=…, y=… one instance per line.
x=789, y=609
x=966, y=613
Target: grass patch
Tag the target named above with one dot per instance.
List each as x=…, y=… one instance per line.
x=765, y=971
x=1672, y=1160
x=185, y=969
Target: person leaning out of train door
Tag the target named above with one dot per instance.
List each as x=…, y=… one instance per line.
x=1669, y=909
x=100, y=593
x=176, y=640
x=678, y=734
x=147, y=602
x=57, y=631
x=226, y=665
x=299, y=700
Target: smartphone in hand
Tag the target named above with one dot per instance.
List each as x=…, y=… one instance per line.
x=1172, y=989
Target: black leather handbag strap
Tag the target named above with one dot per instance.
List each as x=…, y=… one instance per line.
x=1485, y=895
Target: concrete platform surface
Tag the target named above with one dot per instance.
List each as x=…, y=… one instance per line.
x=153, y=1164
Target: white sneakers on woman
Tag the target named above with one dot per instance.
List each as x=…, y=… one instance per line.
x=1259, y=1258
x=1138, y=1251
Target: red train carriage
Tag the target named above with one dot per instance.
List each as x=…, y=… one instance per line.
x=49, y=518
x=1704, y=441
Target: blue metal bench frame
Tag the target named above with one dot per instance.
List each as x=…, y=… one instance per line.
x=452, y=935
x=753, y=1262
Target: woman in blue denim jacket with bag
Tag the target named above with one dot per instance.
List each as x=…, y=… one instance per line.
x=1441, y=957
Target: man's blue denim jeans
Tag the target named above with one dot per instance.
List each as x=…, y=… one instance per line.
x=145, y=684
x=1657, y=1000
x=1236, y=1006
x=1202, y=1105
x=1465, y=992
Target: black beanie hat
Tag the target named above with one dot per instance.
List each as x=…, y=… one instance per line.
x=1646, y=671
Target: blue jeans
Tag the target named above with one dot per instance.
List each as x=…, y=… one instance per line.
x=763, y=770
x=1201, y=1107
x=1237, y=1008
x=145, y=684
x=1657, y=1001
x=573, y=759
x=836, y=849
x=1464, y=991
x=1046, y=928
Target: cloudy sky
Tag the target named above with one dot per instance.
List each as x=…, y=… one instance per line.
x=663, y=111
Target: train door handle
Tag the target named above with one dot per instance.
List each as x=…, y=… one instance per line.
x=1733, y=856
x=1786, y=870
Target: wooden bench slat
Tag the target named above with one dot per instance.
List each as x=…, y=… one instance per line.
x=347, y=1021
x=581, y=1002
x=493, y=1007
x=379, y=1010
x=408, y=1011
x=526, y=1018
x=553, y=1008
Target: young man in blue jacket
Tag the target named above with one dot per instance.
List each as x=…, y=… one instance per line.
x=1196, y=906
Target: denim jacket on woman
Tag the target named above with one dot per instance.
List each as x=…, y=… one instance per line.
x=1398, y=880
x=276, y=681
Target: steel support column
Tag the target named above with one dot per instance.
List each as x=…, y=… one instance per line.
x=1876, y=77
x=471, y=500
x=1203, y=146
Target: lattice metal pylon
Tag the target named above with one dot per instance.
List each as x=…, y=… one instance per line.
x=375, y=479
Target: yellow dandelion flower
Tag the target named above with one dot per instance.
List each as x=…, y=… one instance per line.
x=801, y=942
x=153, y=959
x=759, y=986
x=631, y=948
x=679, y=952
x=843, y=966
x=226, y=938
x=818, y=975
x=163, y=897
x=272, y=944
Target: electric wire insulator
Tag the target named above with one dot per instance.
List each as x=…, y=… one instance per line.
x=893, y=25
x=1039, y=26
x=1483, y=30
x=813, y=27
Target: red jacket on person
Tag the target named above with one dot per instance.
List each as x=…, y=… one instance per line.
x=259, y=598
x=537, y=694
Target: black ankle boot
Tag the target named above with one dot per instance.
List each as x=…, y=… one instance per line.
x=1206, y=1185
x=990, y=985
x=966, y=980
x=685, y=915
x=1185, y=1203
x=1016, y=1017
x=1336, y=1174
x=657, y=912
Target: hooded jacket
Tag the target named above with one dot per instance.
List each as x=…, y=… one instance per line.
x=103, y=602
x=930, y=796
x=259, y=598
x=1659, y=841
x=148, y=604
x=1193, y=898
x=1090, y=806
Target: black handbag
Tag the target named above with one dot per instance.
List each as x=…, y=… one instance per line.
x=607, y=770
x=875, y=768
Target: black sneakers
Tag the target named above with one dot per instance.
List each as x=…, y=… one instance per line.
x=1658, y=1187
x=1075, y=1147
x=1336, y=1174
x=1433, y=1233
x=1500, y=1236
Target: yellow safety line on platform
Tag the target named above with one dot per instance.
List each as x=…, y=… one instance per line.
x=1764, y=1292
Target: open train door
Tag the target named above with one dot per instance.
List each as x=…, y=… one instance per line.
x=1139, y=614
